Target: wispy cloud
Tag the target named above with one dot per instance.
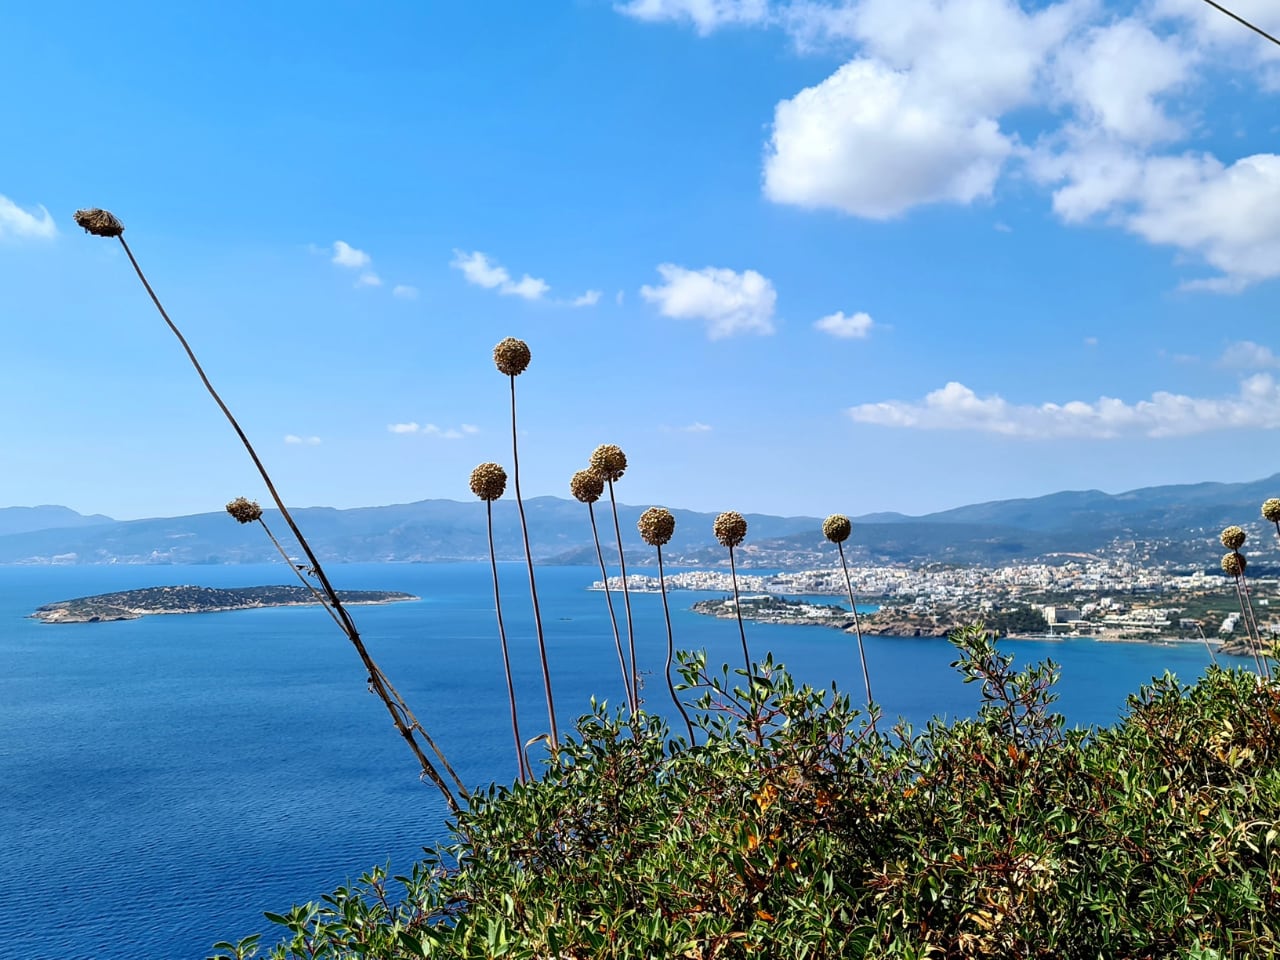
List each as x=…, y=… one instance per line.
x=728, y=302
x=405, y=292
x=294, y=440
x=432, y=430
x=1247, y=355
x=705, y=15
x=348, y=257
x=588, y=299
x=480, y=271
x=696, y=427
x=856, y=327
x=16, y=223
x=956, y=407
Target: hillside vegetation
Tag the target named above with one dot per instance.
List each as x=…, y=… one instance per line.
x=797, y=827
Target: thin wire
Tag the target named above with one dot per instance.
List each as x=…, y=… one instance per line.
x=1239, y=19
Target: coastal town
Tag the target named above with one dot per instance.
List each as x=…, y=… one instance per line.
x=1113, y=600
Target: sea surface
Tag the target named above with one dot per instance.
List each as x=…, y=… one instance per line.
x=165, y=780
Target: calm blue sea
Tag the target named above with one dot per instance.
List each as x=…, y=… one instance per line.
x=165, y=780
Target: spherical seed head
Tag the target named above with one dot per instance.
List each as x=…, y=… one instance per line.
x=656, y=526
x=99, y=223
x=837, y=528
x=1233, y=564
x=488, y=481
x=244, y=509
x=1232, y=538
x=511, y=356
x=1271, y=510
x=730, y=528
x=586, y=486
x=608, y=461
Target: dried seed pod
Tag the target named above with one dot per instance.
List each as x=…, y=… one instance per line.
x=656, y=526
x=730, y=528
x=99, y=222
x=608, y=461
x=1233, y=564
x=511, y=356
x=586, y=486
x=837, y=528
x=488, y=481
x=244, y=509
x=1271, y=510
x=1232, y=538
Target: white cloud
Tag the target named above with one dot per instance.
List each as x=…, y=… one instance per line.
x=939, y=100
x=404, y=291
x=696, y=427
x=20, y=224
x=956, y=407
x=345, y=255
x=856, y=327
x=1090, y=341
x=480, y=271
x=432, y=430
x=1247, y=355
x=369, y=279
x=863, y=141
x=705, y=15
x=295, y=440
x=588, y=299
x=728, y=302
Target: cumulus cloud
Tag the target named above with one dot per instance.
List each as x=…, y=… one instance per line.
x=432, y=430
x=728, y=302
x=956, y=407
x=705, y=15
x=345, y=255
x=19, y=224
x=482, y=272
x=1247, y=355
x=404, y=291
x=1107, y=110
x=856, y=327
x=294, y=440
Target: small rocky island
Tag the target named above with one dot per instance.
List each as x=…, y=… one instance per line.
x=132, y=604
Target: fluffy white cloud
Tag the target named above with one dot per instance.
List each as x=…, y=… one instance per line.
x=431, y=430
x=345, y=255
x=405, y=292
x=956, y=407
x=856, y=327
x=923, y=112
x=863, y=141
x=705, y=15
x=482, y=272
x=1247, y=355
x=727, y=302
x=588, y=299
x=17, y=223
x=294, y=440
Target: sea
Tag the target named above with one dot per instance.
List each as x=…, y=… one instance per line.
x=163, y=781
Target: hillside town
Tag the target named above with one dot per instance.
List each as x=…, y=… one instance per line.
x=1104, y=599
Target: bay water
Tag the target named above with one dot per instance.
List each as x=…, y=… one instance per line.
x=165, y=780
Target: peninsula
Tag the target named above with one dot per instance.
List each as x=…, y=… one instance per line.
x=132, y=604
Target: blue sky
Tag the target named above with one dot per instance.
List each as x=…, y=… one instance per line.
x=794, y=257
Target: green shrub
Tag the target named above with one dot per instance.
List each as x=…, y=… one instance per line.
x=793, y=829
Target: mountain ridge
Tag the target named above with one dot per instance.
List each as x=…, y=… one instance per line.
x=1171, y=524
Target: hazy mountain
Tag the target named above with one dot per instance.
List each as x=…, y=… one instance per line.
x=26, y=519
x=1172, y=523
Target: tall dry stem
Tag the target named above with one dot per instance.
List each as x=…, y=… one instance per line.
x=103, y=224
x=837, y=528
x=587, y=488
x=608, y=462
x=511, y=357
x=656, y=526
x=730, y=529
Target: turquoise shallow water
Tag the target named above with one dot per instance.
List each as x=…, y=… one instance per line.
x=165, y=780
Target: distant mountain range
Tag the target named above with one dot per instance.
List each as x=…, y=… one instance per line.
x=1170, y=524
